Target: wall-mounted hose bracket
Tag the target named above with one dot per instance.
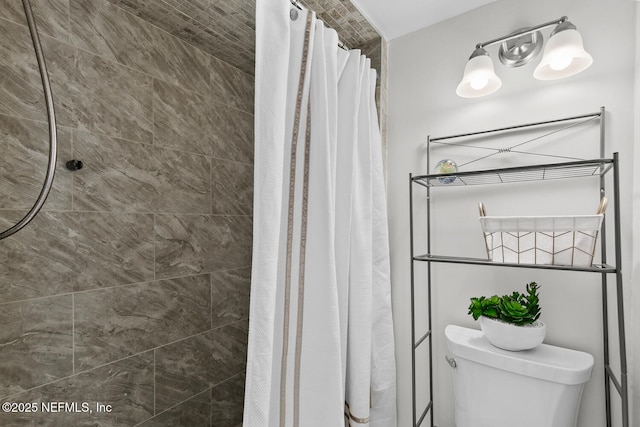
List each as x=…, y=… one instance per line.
x=74, y=165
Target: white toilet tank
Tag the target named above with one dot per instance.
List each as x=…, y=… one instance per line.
x=498, y=388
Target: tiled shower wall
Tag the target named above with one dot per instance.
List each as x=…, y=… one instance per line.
x=131, y=287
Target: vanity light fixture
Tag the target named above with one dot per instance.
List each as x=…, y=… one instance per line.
x=563, y=56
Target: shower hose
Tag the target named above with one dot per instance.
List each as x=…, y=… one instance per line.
x=46, y=187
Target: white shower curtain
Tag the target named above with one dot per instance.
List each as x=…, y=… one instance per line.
x=321, y=345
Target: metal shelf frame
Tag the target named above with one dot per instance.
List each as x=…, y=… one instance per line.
x=601, y=167
x=576, y=169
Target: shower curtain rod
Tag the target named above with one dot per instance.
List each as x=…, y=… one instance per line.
x=299, y=6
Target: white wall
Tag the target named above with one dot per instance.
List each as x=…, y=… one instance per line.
x=424, y=69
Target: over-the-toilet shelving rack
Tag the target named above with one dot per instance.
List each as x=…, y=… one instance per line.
x=604, y=168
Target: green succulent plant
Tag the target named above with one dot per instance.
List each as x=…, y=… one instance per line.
x=517, y=309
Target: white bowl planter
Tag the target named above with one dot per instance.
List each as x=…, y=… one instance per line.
x=511, y=337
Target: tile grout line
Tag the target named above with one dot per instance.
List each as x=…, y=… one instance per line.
x=175, y=406
x=153, y=231
x=135, y=213
x=73, y=333
x=69, y=22
x=70, y=376
x=209, y=156
x=76, y=129
x=137, y=70
x=154, y=382
x=146, y=73
x=231, y=324
x=211, y=166
x=210, y=301
x=73, y=178
x=125, y=284
x=155, y=243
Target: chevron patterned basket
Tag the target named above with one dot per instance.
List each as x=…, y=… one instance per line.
x=556, y=240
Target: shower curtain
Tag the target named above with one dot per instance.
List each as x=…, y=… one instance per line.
x=321, y=345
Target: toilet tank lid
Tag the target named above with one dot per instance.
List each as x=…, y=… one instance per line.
x=546, y=362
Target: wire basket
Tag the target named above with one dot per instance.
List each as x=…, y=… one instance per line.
x=556, y=240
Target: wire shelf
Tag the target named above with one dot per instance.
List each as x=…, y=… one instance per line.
x=595, y=268
x=578, y=169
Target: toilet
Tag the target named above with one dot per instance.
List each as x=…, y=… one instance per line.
x=541, y=387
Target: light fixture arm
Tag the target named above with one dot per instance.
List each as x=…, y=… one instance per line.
x=522, y=33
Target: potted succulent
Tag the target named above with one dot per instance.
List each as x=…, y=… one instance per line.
x=511, y=322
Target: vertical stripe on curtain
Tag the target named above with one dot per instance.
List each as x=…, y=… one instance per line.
x=320, y=331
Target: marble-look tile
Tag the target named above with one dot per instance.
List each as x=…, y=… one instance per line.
x=226, y=28
x=111, y=32
x=180, y=119
x=179, y=63
x=112, y=93
x=193, y=244
x=121, y=175
x=126, y=385
x=61, y=252
x=228, y=25
x=210, y=41
x=61, y=66
x=227, y=402
x=21, y=93
x=25, y=148
x=95, y=26
x=230, y=21
x=112, y=249
x=117, y=322
x=231, y=133
x=196, y=364
x=230, y=296
x=35, y=343
x=195, y=412
x=159, y=12
x=223, y=29
x=229, y=351
x=52, y=16
x=232, y=188
x=136, y=4
x=39, y=260
x=232, y=86
x=111, y=99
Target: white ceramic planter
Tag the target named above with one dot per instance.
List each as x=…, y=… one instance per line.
x=511, y=337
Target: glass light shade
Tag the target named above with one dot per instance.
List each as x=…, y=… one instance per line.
x=564, y=56
x=479, y=78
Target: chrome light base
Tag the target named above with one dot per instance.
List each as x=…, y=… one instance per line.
x=519, y=51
